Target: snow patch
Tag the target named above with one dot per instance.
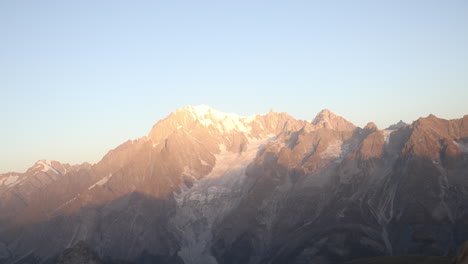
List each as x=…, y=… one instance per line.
x=386, y=134
x=101, y=182
x=206, y=122
x=251, y=118
x=189, y=172
x=47, y=166
x=201, y=110
x=333, y=150
x=462, y=146
x=63, y=205
x=10, y=181
x=222, y=147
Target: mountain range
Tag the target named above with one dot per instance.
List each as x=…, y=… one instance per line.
x=216, y=188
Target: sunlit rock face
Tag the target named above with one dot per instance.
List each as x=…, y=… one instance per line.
x=212, y=187
x=327, y=119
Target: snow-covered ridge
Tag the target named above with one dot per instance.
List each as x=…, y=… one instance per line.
x=47, y=166
x=11, y=180
x=223, y=121
x=42, y=166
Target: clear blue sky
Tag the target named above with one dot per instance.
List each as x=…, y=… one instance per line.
x=78, y=78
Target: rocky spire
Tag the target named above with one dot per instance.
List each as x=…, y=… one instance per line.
x=371, y=127
x=398, y=125
x=328, y=119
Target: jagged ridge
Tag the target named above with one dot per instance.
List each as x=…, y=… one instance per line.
x=206, y=186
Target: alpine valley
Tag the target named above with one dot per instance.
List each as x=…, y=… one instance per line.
x=206, y=187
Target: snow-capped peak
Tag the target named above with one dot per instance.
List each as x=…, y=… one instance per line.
x=204, y=112
x=224, y=121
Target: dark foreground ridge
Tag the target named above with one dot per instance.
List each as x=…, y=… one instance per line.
x=82, y=254
x=461, y=258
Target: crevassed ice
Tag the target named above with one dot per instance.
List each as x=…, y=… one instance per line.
x=209, y=199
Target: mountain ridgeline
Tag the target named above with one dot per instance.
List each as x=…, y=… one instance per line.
x=206, y=187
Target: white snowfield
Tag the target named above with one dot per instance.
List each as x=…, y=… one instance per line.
x=209, y=200
x=225, y=122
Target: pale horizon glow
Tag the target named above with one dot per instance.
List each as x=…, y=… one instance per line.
x=79, y=78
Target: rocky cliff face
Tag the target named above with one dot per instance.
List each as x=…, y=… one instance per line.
x=210, y=187
x=371, y=192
